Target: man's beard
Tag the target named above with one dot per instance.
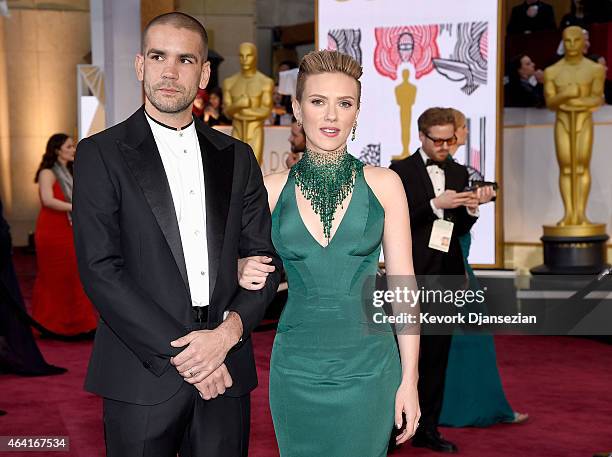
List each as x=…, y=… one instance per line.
x=173, y=105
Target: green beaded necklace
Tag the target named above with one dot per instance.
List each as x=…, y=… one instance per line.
x=325, y=180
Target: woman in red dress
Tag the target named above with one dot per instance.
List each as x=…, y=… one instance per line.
x=58, y=301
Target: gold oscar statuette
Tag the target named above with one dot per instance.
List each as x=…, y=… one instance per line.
x=573, y=88
x=405, y=94
x=247, y=97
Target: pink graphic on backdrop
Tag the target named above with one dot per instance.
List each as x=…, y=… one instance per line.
x=331, y=44
x=484, y=44
x=474, y=160
x=413, y=43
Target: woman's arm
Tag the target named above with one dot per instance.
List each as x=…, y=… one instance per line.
x=397, y=247
x=46, y=179
x=253, y=272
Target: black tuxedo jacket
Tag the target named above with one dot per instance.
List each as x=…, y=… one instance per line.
x=520, y=23
x=419, y=190
x=132, y=264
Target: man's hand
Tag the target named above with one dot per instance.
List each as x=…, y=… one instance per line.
x=451, y=199
x=539, y=76
x=206, y=349
x=253, y=271
x=472, y=203
x=485, y=194
x=215, y=384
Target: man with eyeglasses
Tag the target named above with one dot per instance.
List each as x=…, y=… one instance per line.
x=439, y=210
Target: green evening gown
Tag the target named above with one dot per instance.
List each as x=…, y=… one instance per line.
x=473, y=392
x=332, y=384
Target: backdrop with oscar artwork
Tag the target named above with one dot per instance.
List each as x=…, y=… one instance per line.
x=417, y=54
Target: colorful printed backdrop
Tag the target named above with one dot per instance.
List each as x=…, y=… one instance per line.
x=417, y=54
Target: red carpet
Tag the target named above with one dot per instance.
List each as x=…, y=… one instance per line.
x=563, y=383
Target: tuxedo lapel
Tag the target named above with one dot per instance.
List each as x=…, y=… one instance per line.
x=453, y=178
x=143, y=159
x=423, y=175
x=218, y=162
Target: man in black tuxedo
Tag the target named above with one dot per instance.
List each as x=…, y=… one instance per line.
x=531, y=16
x=434, y=187
x=163, y=208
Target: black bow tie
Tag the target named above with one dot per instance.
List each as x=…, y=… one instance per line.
x=442, y=164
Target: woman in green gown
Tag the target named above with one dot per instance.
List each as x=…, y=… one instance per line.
x=336, y=388
x=473, y=392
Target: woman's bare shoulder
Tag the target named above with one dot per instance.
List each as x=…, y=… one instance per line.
x=274, y=186
x=47, y=175
x=383, y=181
x=277, y=179
x=386, y=185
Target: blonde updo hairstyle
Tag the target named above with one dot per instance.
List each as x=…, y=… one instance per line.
x=460, y=119
x=318, y=62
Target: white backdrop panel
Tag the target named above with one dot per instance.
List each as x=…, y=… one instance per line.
x=449, y=51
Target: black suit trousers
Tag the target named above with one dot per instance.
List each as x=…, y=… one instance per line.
x=432, y=374
x=431, y=263
x=184, y=424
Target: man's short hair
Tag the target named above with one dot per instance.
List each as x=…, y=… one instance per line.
x=435, y=116
x=180, y=21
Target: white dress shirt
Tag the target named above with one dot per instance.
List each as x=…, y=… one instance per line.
x=182, y=159
x=438, y=181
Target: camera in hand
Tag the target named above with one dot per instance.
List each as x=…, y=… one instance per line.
x=474, y=185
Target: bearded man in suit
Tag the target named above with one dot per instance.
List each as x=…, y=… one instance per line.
x=435, y=190
x=163, y=208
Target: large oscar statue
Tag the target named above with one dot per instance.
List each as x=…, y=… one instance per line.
x=247, y=97
x=573, y=88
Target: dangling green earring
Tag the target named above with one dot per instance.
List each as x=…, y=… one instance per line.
x=354, y=129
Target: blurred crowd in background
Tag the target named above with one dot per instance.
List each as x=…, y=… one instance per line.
x=533, y=42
